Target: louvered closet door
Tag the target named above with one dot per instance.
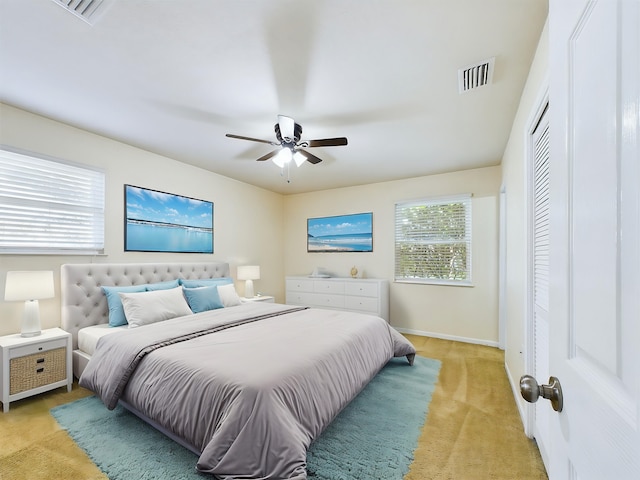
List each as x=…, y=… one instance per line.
x=540, y=231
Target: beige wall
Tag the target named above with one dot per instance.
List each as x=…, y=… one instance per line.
x=464, y=313
x=237, y=217
x=514, y=166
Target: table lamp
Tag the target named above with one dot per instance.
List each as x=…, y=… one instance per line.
x=30, y=287
x=249, y=273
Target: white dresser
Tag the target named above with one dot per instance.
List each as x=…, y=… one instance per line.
x=366, y=295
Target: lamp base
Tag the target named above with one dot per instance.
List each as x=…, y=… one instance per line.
x=248, y=289
x=31, y=334
x=31, y=319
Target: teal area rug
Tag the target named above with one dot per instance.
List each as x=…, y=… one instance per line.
x=373, y=437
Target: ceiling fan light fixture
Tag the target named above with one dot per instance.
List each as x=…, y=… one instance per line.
x=299, y=158
x=283, y=157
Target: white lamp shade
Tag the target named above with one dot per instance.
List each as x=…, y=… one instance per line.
x=283, y=157
x=249, y=272
x=32, y=285
x=299, y=158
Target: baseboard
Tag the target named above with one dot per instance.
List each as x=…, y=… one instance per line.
x=454, y=338
x=515, y=390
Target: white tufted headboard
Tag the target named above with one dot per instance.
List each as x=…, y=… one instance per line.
x=85, y=304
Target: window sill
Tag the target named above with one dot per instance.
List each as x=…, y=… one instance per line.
x=444, y=283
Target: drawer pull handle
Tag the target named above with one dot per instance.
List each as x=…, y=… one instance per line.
x=40, y=370
x=40, y=360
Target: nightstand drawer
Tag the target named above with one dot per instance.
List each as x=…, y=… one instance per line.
x=37, y=370
x=37, y=348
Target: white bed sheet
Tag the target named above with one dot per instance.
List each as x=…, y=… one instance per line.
x=88, y=336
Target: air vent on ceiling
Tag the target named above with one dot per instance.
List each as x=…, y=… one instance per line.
x=87, y=10
x=475, y=76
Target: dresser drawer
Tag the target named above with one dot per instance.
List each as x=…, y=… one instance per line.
x=363, y=295
x=300, y=298
x=362, y=304
x=325, y=286
x=365, y=289
x=36, y=370
x=328, y=301
x=299, y=285
x=37, y=348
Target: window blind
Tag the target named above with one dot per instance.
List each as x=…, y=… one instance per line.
x=49, y=206
x=433, y=240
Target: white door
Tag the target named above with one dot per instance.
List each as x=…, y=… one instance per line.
x=539, y=266
x=594, y=303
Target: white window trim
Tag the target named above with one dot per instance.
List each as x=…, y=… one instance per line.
x=67, y=200
x=462, y=198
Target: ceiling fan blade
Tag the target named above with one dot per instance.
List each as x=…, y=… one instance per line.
x=328, y=142
x=287, y=126
x=250, y=139
x=310, y=158
x=268, y=156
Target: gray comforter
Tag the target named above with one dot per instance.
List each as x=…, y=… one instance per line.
x=250, y=387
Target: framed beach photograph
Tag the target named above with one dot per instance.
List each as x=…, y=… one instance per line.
x=341, y=233
x=164, y=222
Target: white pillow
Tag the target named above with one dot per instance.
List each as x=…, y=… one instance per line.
x=149, y=307
x=228, y=295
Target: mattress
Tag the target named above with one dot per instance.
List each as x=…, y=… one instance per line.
x=88, y=336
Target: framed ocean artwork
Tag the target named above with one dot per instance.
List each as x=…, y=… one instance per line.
x=164, y=222
x=341, y=233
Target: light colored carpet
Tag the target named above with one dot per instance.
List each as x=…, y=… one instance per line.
x=472, y=432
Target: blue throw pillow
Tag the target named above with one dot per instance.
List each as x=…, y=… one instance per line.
x=116, y=311
x=205, y=282
x=151, y=287
x=201, y=299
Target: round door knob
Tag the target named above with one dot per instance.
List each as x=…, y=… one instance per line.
x=531, y=391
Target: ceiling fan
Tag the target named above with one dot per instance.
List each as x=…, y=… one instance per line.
x=288, y=134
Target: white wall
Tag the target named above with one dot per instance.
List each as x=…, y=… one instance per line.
x=237, y=221
x=464, y=313
x=514, y=180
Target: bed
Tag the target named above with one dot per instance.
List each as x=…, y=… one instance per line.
x=247, y=387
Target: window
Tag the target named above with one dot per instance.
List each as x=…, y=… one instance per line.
x=48, y=206
x=433, y=241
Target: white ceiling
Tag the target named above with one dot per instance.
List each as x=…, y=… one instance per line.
x=173, y=77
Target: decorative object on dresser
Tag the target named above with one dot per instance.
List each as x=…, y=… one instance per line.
x=29, y=286
x=33, y=365
x=357, y=295
x=249, y=273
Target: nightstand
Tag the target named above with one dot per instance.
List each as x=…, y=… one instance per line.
x=33, y=365
x=260, y=298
